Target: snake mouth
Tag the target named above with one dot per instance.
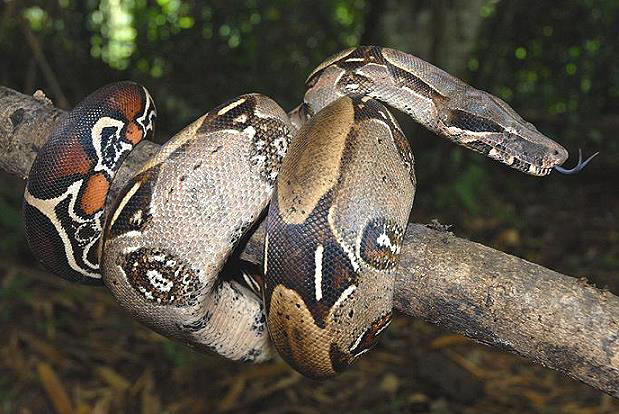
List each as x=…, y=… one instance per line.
x=531, y=169
x=520, y=164
x=500, y=153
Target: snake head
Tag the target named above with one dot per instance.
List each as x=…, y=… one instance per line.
x=486, y=124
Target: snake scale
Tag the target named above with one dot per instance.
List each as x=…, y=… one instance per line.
x=338, y=174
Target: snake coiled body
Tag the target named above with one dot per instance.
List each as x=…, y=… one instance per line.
x=339, y=215
x=64, y=201
x=337, y=170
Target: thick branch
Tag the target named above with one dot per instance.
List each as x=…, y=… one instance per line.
x=489, y=296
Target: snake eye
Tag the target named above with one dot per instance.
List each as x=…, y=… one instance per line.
x=473, y=123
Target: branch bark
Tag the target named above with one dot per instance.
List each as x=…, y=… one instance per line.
x=494, y=298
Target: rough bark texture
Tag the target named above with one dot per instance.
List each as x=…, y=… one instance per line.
x=467, y=288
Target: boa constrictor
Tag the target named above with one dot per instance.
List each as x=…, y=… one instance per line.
x=338, y=211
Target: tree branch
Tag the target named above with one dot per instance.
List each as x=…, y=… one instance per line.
x=462, y=286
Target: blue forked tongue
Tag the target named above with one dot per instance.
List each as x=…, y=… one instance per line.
x=579, y=167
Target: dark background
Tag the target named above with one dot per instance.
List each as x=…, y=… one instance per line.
x=67, y=348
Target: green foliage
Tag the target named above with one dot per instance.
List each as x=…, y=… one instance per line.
x=466, y=190
x=556, y=65
x=115, y=40
x=560, y=61
x=192, y=54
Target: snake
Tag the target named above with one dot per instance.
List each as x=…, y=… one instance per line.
x=333, y=179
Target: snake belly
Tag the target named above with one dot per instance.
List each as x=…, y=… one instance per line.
x=176, y=222
x=334, y=234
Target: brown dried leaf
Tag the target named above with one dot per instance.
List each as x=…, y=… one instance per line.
x=188, y=406
x=44, y=349
x=232, y=397
x=508, y=237
x=54, y=388
x=446, y=341
x=270, y=369
x=150, y=403
x=102, y=406
x=83, y=408
x=390, y=383
x=113, y=378
x=468, y=365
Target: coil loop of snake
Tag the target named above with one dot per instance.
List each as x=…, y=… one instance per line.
x=337, y=171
